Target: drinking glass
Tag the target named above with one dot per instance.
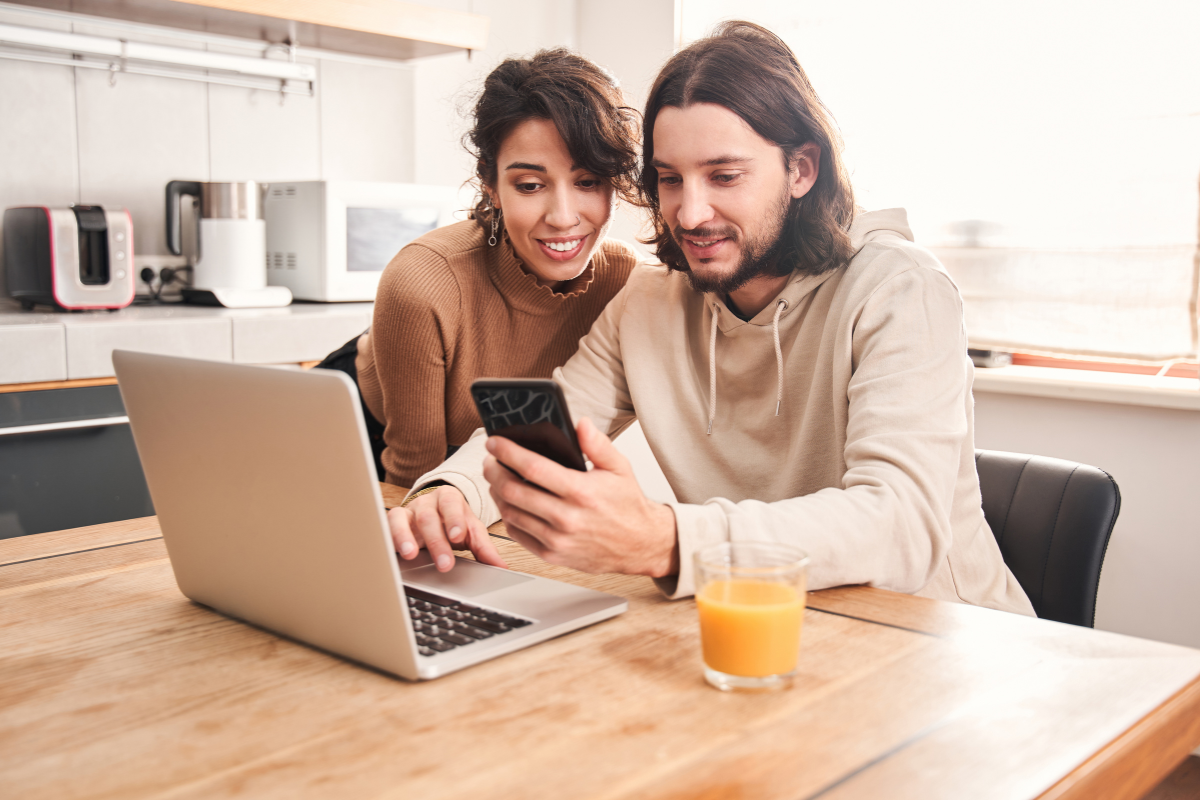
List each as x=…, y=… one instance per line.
x=751, y=598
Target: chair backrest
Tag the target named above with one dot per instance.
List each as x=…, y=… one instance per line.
x=1052, y=520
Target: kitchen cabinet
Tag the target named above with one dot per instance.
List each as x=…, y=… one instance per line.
x=67, y=459
x=71, y=441
x=379, y=28
x=47, y=346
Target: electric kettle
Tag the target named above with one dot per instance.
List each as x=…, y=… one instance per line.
x=230, y=268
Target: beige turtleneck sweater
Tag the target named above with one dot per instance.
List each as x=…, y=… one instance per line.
x=451, y=309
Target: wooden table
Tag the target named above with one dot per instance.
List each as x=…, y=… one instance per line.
x=112, y=684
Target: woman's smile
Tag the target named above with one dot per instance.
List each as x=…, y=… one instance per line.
x=562, y=249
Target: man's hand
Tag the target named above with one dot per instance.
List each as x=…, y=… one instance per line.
x=441, y=521
x=596, y=521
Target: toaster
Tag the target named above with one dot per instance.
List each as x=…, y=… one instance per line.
x=71, y=258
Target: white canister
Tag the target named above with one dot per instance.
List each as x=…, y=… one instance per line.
x=231, y=267
x=233, y=254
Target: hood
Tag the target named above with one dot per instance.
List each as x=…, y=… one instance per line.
x=869, y=226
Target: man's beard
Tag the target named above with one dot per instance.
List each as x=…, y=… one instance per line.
x=760, y=255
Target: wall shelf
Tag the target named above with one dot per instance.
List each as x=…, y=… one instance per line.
x=377, y=28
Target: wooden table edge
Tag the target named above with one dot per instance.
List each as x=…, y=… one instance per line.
x=1139, y=759
x=51, y=544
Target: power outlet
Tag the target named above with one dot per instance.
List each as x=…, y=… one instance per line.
x=164, y=285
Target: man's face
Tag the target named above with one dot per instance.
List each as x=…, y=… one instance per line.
x=724, y=191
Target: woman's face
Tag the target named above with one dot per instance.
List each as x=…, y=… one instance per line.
x=555, y=212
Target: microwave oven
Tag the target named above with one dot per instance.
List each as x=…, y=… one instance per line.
x=329, y=241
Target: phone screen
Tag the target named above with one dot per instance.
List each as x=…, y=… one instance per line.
x=531, y=413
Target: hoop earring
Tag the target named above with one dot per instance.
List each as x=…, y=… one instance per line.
x=496, y=214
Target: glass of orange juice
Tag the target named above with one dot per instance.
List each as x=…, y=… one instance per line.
x=751, y=598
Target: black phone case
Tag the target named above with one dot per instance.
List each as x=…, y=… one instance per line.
x=531, y=412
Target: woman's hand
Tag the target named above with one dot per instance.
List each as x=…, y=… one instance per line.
x=441, y=522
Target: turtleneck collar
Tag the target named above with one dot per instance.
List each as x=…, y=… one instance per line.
x=521, y=288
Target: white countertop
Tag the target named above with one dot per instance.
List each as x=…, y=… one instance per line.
x=42, y=345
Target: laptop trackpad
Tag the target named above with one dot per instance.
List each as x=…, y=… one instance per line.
x=467, y=579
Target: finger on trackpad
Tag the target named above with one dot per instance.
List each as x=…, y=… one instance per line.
x=467, y=579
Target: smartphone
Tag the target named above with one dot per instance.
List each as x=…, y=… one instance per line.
x=533, y=413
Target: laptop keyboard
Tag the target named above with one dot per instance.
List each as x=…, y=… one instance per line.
x=442, y=624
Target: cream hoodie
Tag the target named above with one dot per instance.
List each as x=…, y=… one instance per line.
x=868, y=464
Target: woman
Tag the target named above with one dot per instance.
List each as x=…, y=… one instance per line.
x=508, y=292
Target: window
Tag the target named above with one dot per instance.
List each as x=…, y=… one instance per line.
x=1048, y=152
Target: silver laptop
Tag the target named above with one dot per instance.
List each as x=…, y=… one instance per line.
x=266, y=493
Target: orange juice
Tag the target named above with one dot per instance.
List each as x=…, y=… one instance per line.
x=750, y=628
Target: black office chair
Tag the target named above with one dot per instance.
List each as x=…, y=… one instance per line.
x=1052, y=520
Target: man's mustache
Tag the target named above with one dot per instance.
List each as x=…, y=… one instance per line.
x=704, y=234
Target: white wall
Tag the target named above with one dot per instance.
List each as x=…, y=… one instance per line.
x=1148, y=587
x=445, y=86
x=1006, y=112
x=68, y=136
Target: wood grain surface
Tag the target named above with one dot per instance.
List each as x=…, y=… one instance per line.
x=387, y=17
x=112, y=684
x=392, y=495
x=1182, y=784
x=383, y=28
x=46, y=545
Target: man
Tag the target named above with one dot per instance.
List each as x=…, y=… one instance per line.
x=800, y=371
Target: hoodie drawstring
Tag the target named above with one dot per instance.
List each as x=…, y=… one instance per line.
x=712, y=369
x=779, y=307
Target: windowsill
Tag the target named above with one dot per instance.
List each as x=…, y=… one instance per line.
x=1091, y=386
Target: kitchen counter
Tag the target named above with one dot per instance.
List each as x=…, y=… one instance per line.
x=42, y=345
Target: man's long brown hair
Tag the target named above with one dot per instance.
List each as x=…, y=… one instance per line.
x=753, y=73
